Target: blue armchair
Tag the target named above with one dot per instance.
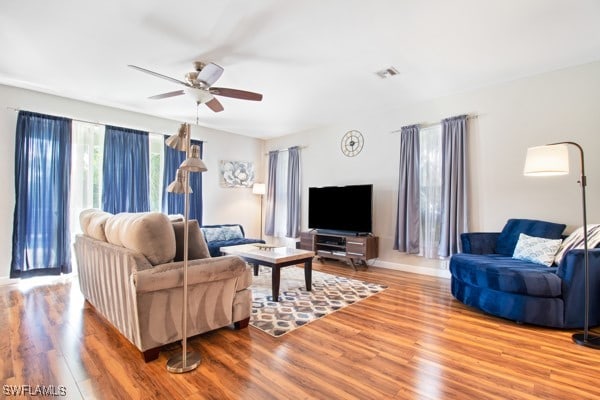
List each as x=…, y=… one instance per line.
x=487, y=277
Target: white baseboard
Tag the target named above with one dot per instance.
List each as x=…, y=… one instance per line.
x=5, y=280
x=417, y=269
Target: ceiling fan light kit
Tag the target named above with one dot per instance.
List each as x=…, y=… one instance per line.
x=198, y=84
x=200, y=96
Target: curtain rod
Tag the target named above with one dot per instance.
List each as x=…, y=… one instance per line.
x=87, y=122
x=282, y=150
x=430, y=124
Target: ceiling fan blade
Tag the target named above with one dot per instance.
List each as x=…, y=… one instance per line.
x=147, y=71
x=168, y=94
x=210, y=73
x=236, y=93
x=214, y=105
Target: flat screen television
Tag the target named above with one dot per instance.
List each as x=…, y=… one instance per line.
x=344, y=209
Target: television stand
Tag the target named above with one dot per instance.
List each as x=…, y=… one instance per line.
x=356, y=250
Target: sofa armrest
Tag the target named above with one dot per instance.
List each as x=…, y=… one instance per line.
x=204, y=270
x=572, y=272
x=479, y=242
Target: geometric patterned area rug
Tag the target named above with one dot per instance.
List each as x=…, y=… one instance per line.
x=298, y=307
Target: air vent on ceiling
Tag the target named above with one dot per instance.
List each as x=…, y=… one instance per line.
x=387, y=73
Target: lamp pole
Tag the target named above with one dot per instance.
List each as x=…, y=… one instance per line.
x=261, y=216
x=185, y=361
x=584, y=338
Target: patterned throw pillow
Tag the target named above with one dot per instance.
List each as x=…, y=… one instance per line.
x=219, y=233
x=232, y=232
x=575, y=241
x=213, y=234
x=537, y=250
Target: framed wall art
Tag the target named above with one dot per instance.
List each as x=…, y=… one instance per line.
x=237, y=174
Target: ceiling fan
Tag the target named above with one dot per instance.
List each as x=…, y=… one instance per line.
x=198, y=84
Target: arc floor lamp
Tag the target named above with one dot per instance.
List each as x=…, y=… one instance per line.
x=186, y=361
x=553, y=159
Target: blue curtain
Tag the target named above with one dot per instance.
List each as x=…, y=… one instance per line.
x=271, y=191
x=293, y=190
x=125, y=186
x=41, y=237
x=172, y=203
x=454, y=184
x=408, y=209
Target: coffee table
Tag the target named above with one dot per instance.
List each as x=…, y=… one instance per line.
x=275, y=258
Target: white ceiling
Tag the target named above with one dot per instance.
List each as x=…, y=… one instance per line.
x=313, y=60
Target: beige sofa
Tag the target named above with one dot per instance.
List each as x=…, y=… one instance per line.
x=130, y=270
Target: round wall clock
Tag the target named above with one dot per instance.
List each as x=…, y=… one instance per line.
x=352, y=143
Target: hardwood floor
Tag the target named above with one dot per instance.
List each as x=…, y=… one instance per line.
x=412, y=341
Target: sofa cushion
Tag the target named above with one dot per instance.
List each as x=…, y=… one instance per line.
x=92, y=222
x=197, y=247
x=506, y=274
x=149, y=233
x=537, y=250
x=85, y=216
x=508, y=238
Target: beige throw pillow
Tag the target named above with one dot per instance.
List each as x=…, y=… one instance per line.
x=197, y=247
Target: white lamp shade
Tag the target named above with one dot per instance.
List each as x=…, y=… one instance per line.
x=547, y=160
x=178, y=141
x=193, y=163
x=178, y=185
x=259, y=188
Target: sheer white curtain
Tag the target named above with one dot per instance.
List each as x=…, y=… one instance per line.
x=157, y=156
x=281, y=195
x=86, y=171
x=430, y=171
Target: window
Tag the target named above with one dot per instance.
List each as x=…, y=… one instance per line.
x=86, y=165
x=86, y=170
x=430, y=171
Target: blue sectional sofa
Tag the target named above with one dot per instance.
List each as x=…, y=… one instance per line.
x=487, y=277
x=218, y=236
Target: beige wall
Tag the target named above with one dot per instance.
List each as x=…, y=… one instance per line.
x=556, y=106
x=221, y=205
x=560, y=105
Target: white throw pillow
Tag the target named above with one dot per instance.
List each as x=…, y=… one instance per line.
x=575, y=241
x=536, y=249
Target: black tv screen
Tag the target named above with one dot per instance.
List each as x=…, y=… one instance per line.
x=341, y=208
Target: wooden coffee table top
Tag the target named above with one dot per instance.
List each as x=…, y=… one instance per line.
x=274, y=255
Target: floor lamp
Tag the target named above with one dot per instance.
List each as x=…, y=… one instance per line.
x=259, y=189
x=181, y=141
x=553, y=159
